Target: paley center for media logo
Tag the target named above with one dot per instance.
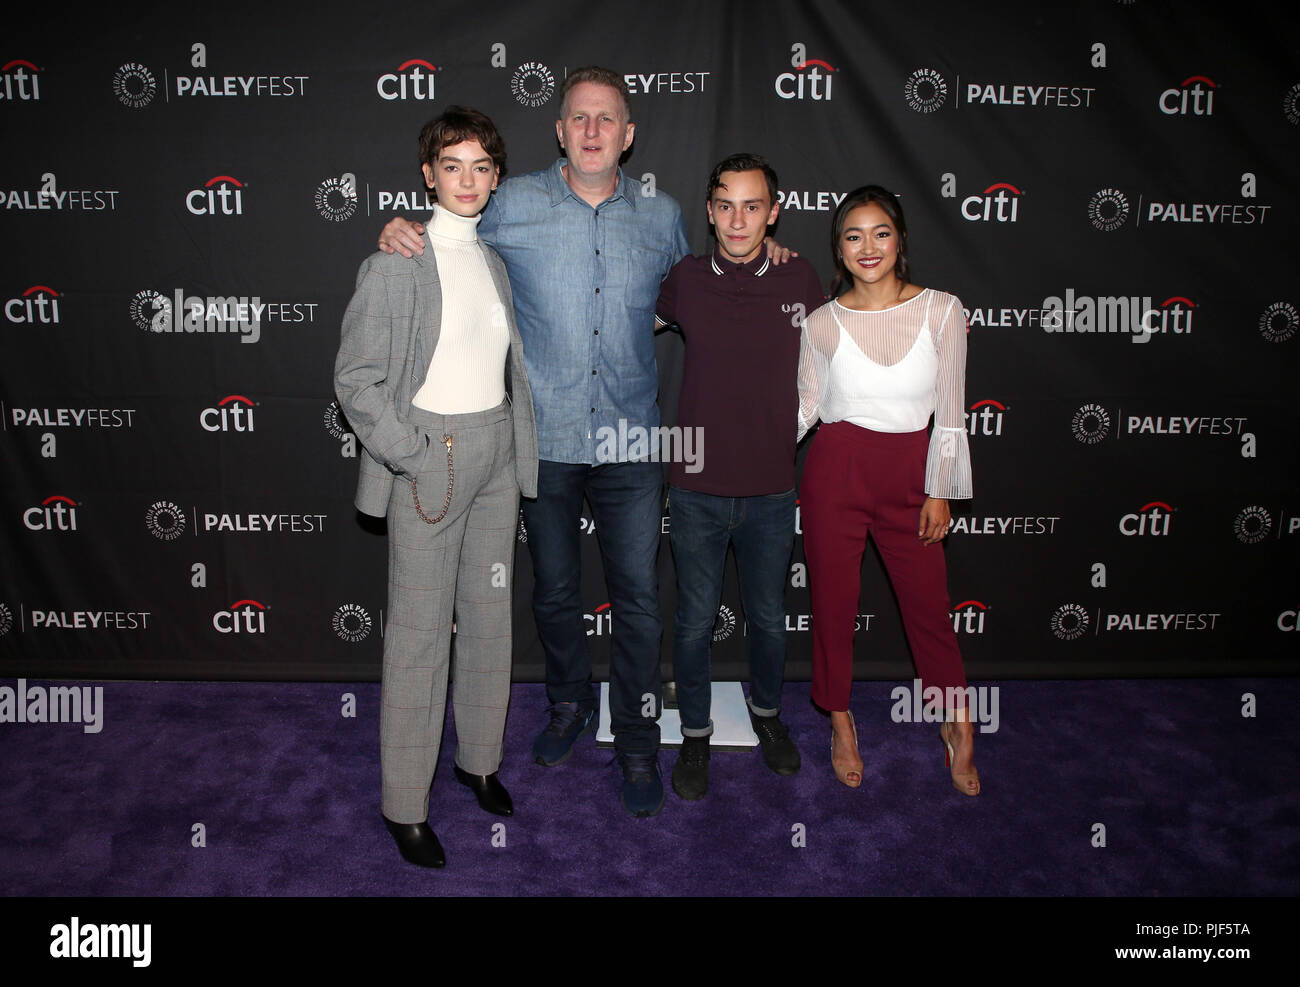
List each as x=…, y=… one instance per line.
x=1109, y=209
x=166, y=521
x=1253, y=524
x=1279, y=322
x=812, y=78
x=235, y=315
x=135, y=85
x=1091, y=424
x=926, y=90
x=351, y=622
x=1070, y=621
x=532, y=84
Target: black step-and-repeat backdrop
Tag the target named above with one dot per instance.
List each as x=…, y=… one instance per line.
x=1110, y=188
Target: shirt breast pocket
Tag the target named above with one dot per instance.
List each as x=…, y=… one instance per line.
x=645, y=270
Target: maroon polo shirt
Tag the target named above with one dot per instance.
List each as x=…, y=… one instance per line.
x=741, y=325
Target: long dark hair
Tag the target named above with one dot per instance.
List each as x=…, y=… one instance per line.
x=866, y=195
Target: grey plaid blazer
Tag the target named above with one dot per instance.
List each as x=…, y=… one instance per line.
x=390, y=330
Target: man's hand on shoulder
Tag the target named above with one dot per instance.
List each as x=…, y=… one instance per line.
x=403, y=237
x=776, y=253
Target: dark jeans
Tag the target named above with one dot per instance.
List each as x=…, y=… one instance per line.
x=625, y=503
x=762, y=530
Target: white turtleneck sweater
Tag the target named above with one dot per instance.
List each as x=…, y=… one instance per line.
x=467, y=372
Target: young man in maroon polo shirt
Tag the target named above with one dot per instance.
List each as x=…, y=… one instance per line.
x=740, y=317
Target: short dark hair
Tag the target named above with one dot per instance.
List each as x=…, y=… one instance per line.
x=457, y=124
x=863, y=196
x=742, y=162
x=601, y=77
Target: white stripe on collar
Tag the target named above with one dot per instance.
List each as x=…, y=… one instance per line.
x=767, y=262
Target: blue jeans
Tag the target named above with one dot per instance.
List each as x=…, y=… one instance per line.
x=762, y=530
x=625, y=504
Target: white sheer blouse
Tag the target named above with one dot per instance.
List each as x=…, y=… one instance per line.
x=889, y=371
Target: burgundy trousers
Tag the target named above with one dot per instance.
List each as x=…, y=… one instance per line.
x=859, y=483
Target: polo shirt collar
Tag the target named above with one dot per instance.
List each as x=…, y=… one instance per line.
x=755, y=268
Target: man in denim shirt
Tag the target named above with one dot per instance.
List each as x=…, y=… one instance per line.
x=586, y=249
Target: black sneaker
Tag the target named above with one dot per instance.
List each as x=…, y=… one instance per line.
x=691, y=772
x=779, y=751
x=569, y=721
x=643, y=788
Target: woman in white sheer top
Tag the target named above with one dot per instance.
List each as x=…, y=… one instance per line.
x=876, y=363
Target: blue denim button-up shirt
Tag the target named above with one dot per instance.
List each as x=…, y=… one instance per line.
x=585, y=284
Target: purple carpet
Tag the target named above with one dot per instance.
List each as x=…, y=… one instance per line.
x=1194, y=798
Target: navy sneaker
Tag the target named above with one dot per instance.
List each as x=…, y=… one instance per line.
x=643, y=789
x=569, y=721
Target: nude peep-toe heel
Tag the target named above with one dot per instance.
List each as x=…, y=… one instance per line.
x=848, y=770
x=968, y=783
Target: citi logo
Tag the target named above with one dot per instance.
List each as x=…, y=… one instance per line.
x=220, y=195
x=1150, y=519
x=55, y=513
x=38, y=304
x=601, y=622
x=1194, y=96
x=998, y=203
x=986, y=417
x=15, y=77
x=1288, y=620
x=412, y=80
x=243, y=617
x=233, y=413
x=811, y=79
x=968, y=617
x=1175, y=316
